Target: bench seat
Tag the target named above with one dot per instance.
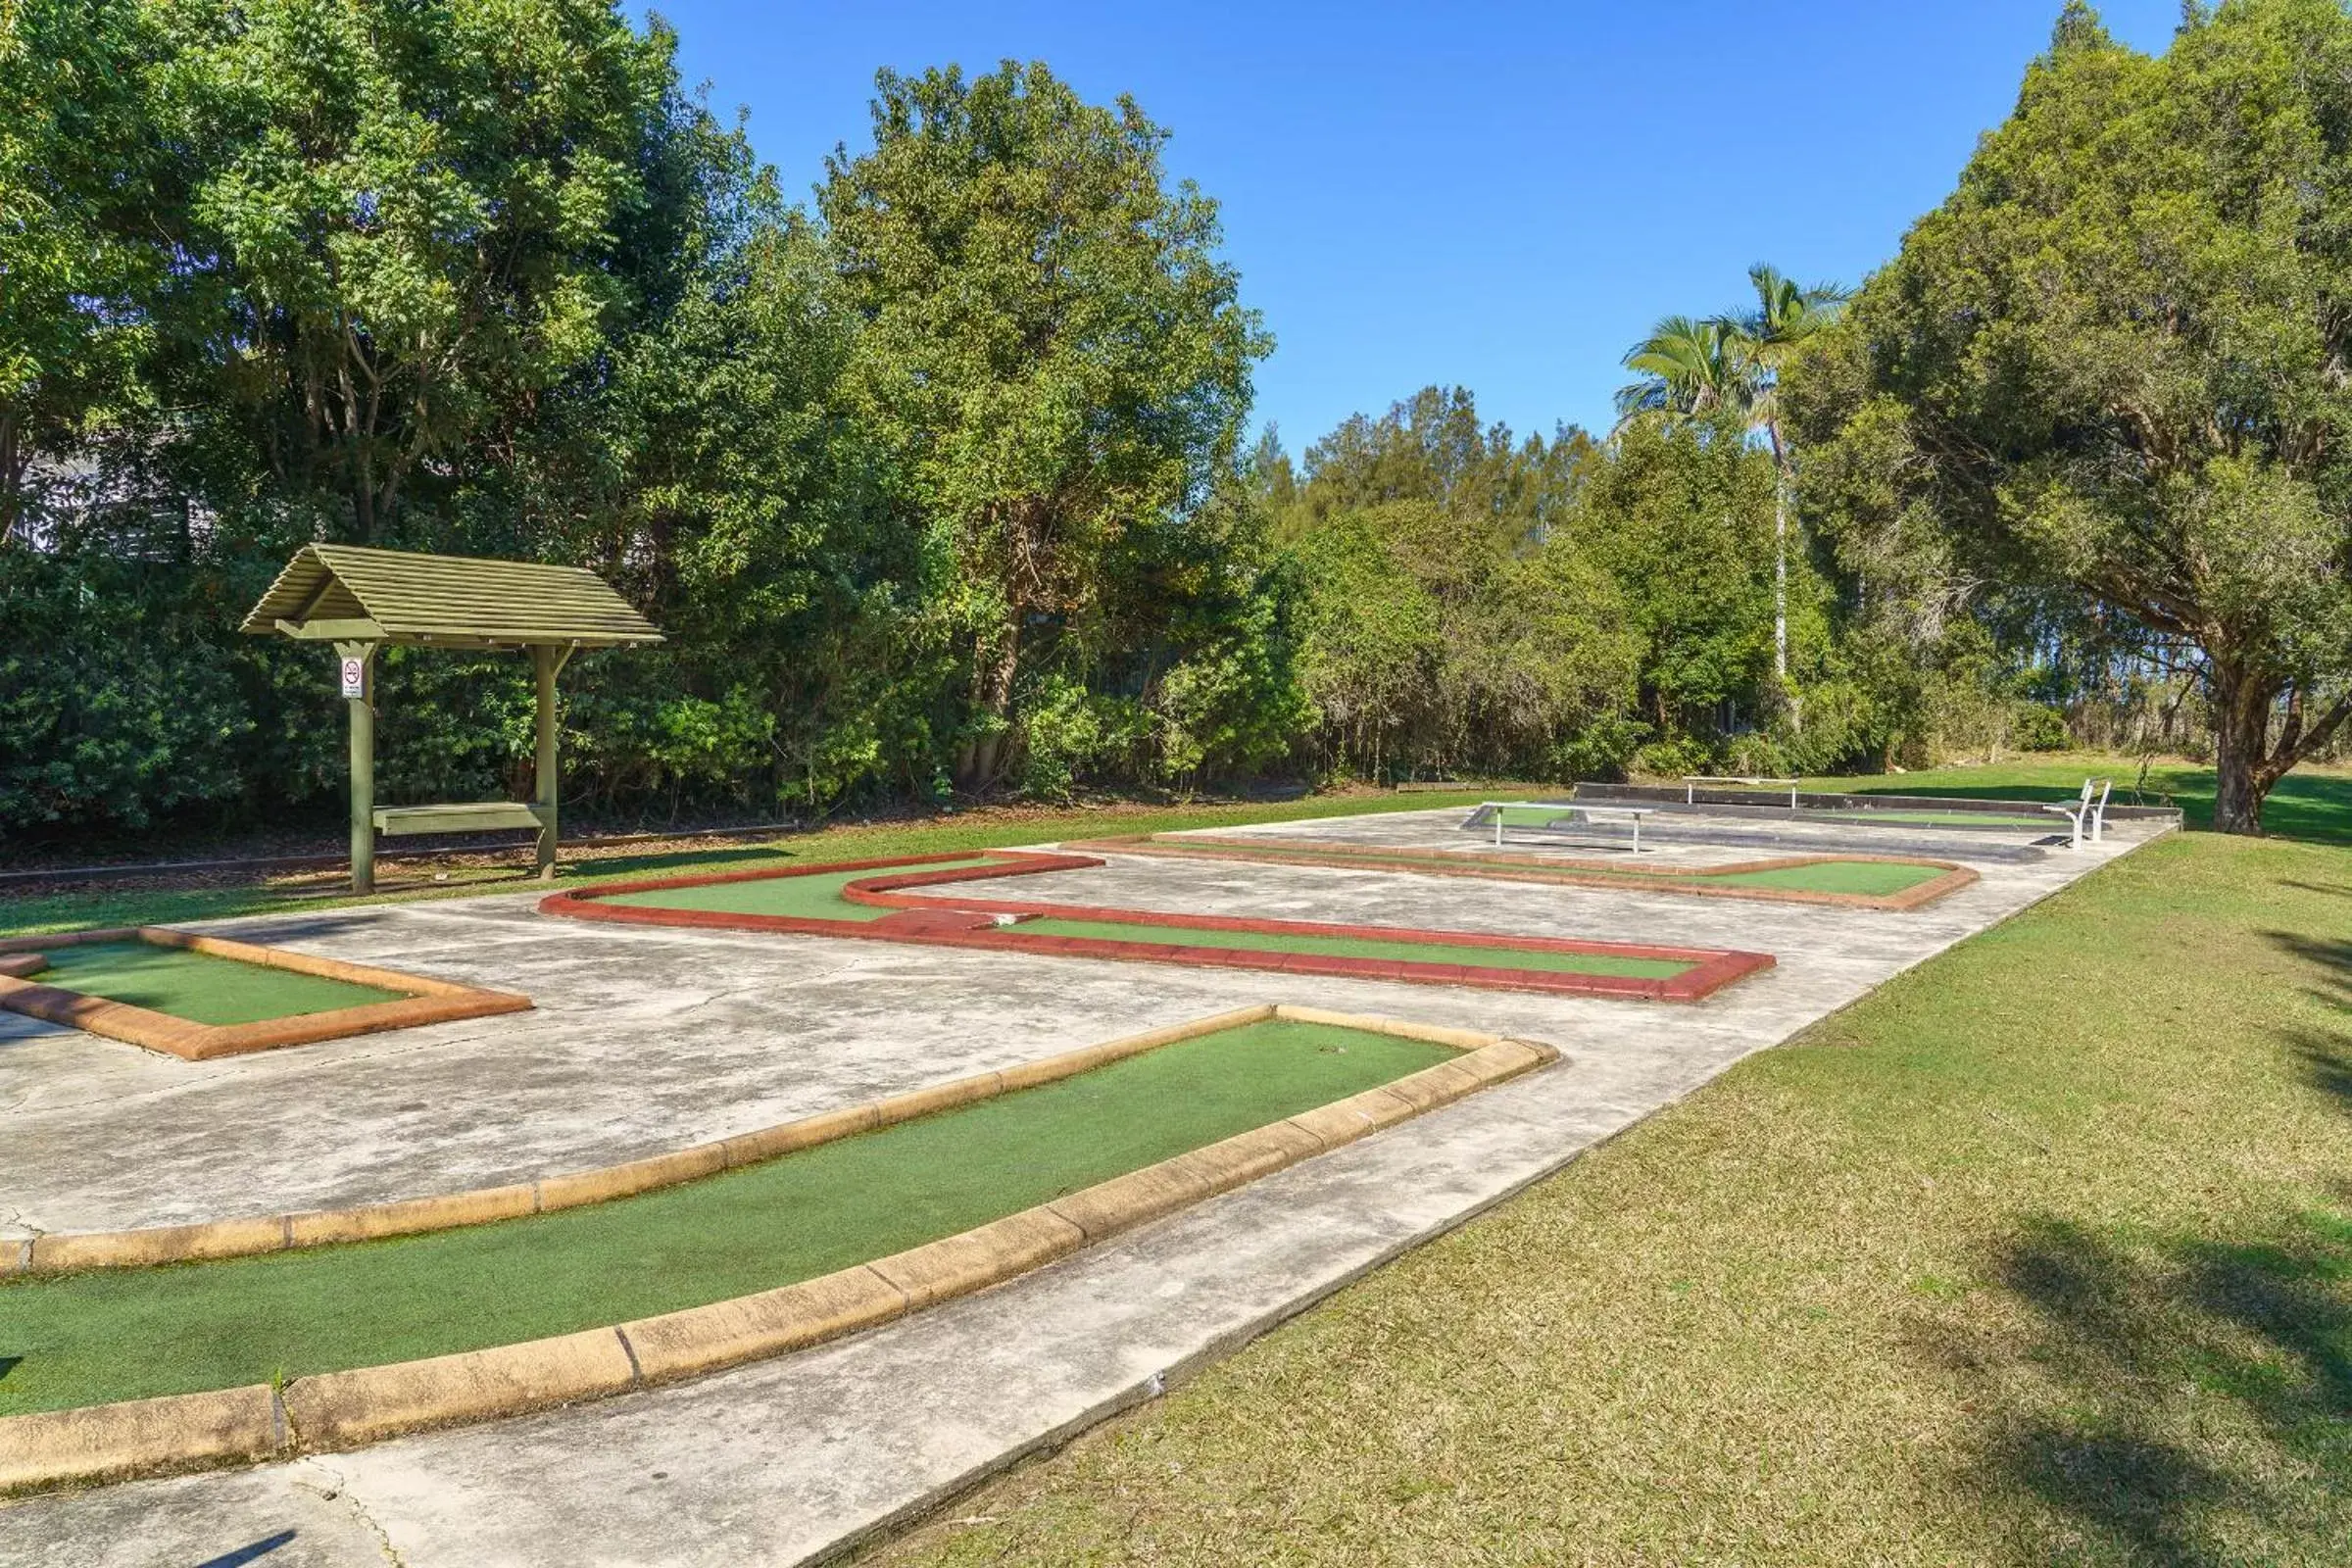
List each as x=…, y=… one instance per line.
x=487, y=816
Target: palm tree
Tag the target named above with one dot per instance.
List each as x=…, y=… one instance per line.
x=1766, y=341
x=1687, y=368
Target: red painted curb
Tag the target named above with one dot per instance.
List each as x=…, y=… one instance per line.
x=932, y=921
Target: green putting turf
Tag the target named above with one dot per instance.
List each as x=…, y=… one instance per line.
x=2044, y=822
x=1876, y=878
x=93, y=1337
x=1364, y=947
x=814, y=896
x=1541, y=816
x=818, y=897
x=198, y=987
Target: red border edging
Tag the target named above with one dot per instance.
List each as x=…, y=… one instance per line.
x=926, y=922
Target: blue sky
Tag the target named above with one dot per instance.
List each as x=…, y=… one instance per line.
x=1502, y=197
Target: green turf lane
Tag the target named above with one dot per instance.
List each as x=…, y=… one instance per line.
x=813, y=896
x=200, y=987
x=1362, y=948
x=1876, y=878
x=818, y=897
x=93, y=1337
x=2044, y=822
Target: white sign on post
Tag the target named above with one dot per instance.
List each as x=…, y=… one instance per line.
x=355, y=676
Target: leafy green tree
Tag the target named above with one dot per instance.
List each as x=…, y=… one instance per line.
x=1050, y=349
x=1679, y=517
x=2111, y=364
x=407, y=221
x=77, y=175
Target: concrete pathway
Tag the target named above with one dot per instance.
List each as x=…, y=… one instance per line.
x=649, y=1039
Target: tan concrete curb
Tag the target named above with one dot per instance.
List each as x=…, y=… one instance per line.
x=344, y=1409
x=68, y=1252
x=423, y=1000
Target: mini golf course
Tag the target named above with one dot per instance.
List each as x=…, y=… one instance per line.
x=200, y=997
x=1541, y=815
x=878, y=899
x=103, y=1337
x=1861, y=882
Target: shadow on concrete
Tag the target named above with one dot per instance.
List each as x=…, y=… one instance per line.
x=251, y=1552
x=2141, y=1342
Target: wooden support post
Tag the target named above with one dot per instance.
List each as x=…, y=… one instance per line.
x=545, y=661
x=360, y=701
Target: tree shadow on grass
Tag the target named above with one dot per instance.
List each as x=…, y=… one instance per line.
x=2192, y=1390
x=618, y=865
x=2327, y=959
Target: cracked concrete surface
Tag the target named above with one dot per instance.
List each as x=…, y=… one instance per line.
x=649, y=1039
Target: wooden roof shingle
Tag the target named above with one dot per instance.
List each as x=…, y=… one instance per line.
x=396, y=595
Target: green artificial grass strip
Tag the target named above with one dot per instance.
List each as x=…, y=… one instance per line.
x=1875, y=878
x=800, y=897
x=2044, y=822
x=1543, y=815
x=1364, y=947
x=818, y=897
x=200, y=987
x=94, y=1338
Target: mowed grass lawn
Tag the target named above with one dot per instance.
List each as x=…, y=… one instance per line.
x=2041, y=1253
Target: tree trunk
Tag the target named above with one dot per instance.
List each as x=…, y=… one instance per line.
x=2246, y=765
x=11, y=475
x=1780, y=579
x=995, y=662
x=1781, y=483
x=2241, y=725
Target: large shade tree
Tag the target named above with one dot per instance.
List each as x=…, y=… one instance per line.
x=407, y=224
x=1051, y=347
x=2114, y=361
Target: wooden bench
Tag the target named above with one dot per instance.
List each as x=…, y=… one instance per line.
x=486, y=817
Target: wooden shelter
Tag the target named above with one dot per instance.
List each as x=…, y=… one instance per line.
x=361, y=599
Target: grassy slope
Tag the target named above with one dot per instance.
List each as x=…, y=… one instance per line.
x=92, y=1337
x=2311, y=802
x=2042, y=1253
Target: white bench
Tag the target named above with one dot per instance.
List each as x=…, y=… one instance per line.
x=1692, y=782
x=2089, y=809
x=1499, y=811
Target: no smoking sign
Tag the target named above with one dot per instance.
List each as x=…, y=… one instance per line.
x=355, y=676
